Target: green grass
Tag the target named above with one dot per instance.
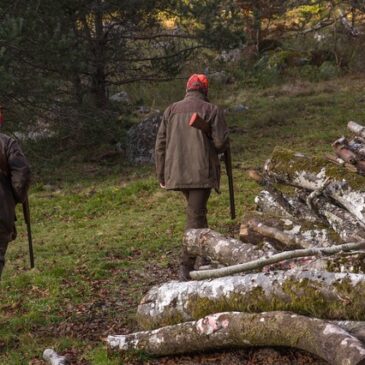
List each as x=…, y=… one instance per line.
x=104, y=234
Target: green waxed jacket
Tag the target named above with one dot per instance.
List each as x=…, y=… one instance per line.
x=186, y=158
x=14, y=183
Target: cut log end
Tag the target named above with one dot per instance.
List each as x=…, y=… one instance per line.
x=256, y=176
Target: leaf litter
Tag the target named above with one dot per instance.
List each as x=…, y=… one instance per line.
x=112, y=312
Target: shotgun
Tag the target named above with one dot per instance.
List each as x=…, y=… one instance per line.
x=197, y=122
x=26, y=214
x=228, y=164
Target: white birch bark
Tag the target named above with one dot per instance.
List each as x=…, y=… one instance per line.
x=356, y=128
x=312, y=174
x=217, y=248
x=234, y=329
x=320, y=293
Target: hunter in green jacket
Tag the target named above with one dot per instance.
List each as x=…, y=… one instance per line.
x=14, y=184
x=187, y=158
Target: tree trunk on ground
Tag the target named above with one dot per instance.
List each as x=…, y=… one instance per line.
x=268, y=203
x=340, y=220
x=340, y=162
x=357, y=145
x=313, y=173
x=217, y=248
x=352, y=152
x=342, y=151
x=288, y=241
x=355, y=328
x=274, y=259
x=356, y=128
x=322, y=294
x=313, y=234
x=232, y=329
x=228, y=251
x=280, y=202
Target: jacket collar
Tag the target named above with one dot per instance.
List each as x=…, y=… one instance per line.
x=195, y=94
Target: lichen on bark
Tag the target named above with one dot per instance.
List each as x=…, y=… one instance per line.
x=315, y=174
x=286, y=161
x=320, y=294
x=236, y=330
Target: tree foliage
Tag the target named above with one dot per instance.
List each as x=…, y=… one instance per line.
x=87, y=46
x=60, y=60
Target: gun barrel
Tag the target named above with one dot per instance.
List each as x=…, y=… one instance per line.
x=228, y=163
x=26, y=213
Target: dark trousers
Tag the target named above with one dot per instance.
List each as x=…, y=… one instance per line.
x=196, y=210
x=196, y=217
x=3, y=248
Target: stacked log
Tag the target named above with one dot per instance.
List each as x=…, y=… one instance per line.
x=351, y=152
x=301, y=266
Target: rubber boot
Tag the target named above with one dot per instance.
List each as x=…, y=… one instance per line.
x=187, y=265
x=196, y=219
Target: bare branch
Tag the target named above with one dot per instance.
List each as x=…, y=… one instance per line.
x=260, y=263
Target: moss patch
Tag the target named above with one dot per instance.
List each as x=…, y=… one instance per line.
x=302, y=297
x=287, y=162
x=147, y=323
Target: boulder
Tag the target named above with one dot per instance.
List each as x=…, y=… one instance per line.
x=121, y=97
x=141, y=140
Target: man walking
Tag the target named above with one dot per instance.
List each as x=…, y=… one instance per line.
x=187, y=158
x=14, y=184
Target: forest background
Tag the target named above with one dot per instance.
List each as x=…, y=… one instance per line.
x=76, y=75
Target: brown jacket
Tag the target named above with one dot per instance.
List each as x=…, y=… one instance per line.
x=14, y=183
x=186, y=158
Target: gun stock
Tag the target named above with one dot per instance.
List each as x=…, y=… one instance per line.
x=228, y=164
x=197, y=122
x=26, y=213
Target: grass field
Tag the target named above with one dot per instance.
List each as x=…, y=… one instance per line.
x=104, y=234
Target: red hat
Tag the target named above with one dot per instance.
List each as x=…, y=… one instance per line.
x=198, y=82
